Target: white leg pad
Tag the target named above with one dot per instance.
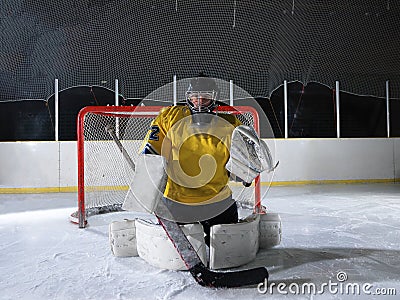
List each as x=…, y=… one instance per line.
x=233, y=245
x=131, y=203
x=155, y=247
x=270, y=230
x=122, y=236
x=149, y=173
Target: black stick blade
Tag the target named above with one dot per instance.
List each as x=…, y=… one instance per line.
x=228, y=279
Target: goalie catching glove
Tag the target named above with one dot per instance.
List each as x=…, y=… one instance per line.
x=249, y=155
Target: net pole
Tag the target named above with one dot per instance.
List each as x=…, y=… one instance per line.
x=257, y=182
x=174, y=91
x=231, y=92
x=56, y=109
x=285, y=105
x=387, y=109
x=337, y=109
x=81, y=167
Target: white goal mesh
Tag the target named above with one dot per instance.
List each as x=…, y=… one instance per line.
x=103, y=173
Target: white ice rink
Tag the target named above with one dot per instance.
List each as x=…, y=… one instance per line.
x=329, y=232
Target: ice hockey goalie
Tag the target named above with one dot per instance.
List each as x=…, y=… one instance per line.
x=230, y=245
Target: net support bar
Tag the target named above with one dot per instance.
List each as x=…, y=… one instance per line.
x=174, y=91
x=231, y=92
x=337, y=110
x=116, y=93
x=56, y=109
x=116, y=104
x=387, y=108
x=285, y=105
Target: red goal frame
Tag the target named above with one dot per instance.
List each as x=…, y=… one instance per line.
x=137, y=112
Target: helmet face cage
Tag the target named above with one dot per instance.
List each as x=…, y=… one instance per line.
x=201, y=101
x=202, y=95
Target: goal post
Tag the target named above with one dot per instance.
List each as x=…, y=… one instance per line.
x=104, y=175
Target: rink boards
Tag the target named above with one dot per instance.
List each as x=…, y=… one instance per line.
x=52, y=166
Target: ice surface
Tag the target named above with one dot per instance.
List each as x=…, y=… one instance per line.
x=327, y=229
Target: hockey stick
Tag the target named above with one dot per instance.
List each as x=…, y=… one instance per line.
x=203, y=275
x=111, y=132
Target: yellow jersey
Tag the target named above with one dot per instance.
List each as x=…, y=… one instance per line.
x=196, y=155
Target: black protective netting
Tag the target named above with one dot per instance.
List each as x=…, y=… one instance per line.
x=258, y=44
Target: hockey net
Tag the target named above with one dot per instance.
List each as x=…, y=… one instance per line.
x=103, y=173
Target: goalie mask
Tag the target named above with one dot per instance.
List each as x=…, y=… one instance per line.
x=201, y=98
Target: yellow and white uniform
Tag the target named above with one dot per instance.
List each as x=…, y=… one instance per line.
x=196, y=155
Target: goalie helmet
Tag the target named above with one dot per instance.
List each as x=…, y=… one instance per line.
x=202, y=95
